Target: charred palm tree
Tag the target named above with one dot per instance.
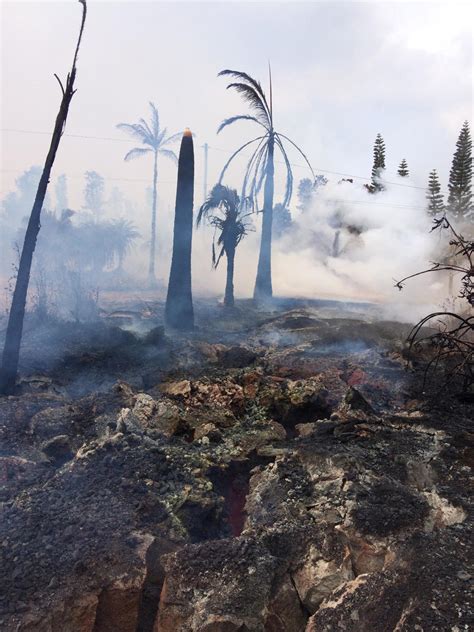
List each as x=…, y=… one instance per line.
x=260, y=170
x=155, y=140
x=224, y=210
x=11, y=351
x=179, y=313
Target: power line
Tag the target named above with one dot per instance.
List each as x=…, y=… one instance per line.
x=227, y=151
x=336, y=173
x=25, y=131
x=77, y=176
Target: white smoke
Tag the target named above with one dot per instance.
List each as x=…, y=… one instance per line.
x=395, y=241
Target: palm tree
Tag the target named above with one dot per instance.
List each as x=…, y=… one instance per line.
x=155, y=140
x=229, y=220
x=124, y=234
x=260, y=168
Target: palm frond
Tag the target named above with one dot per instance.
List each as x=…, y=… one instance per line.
x=252, y=167
x=136, y=152
x=136, y=130
x=271, y=90
x=160, y=139
x=150, y=134
x=241, y=235
x=213, y=253
x=172, y=138
x=243, y=76
x=260, y=172
x=146, y=127
x=155, y=119
x=300, y=151
x=219, y=195
x=204, y=211
x=133, y=129
x=255, y=101
x=289, y=174
x=219, y=257
x=239, y=117
x=226, y=166
x=223, y=210
x=169, y=153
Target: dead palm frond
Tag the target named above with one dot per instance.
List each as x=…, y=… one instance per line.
x=224, y=210
x=252, y=92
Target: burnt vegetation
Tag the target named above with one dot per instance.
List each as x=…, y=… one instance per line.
x=452, y=342
x=229, y=216
x=171, y=462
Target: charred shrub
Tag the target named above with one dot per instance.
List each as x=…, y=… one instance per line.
x=386, y=508
x=451, y=346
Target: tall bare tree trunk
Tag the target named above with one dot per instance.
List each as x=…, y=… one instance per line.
x=151, y=268
x=263, y=284
x=11, y=351
x=179, y=312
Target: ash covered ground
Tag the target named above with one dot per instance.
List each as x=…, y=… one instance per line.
x=273, y=471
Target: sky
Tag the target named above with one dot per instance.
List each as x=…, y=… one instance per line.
x=342, y=71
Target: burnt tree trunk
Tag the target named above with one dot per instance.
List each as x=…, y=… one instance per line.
x=263, y=284
x=229, y=286
x=11, y=351
x=179, y=312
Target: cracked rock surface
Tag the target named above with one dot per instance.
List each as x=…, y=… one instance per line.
x=275, y=472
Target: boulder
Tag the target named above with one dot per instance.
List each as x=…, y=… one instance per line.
x=181, y=389
x=144, y=408
x=317, y=578
x=58, y=450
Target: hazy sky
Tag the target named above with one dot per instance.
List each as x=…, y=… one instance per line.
x=342, y=72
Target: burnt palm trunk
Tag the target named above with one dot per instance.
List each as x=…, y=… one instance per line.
x=11, y=351
x=229, y=286
x=263, y=284
x=151, y=266
x=179, y=312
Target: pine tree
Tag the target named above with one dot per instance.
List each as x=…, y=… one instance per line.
x=403, y=169
x=434, y=195
x=379, y=163
x=460, y=176
x=305, y=194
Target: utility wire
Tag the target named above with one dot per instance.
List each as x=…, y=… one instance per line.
x=331, y=201
x=337, y=173
x=26, y=131
x=227, y=151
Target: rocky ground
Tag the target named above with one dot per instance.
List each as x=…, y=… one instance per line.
x=271, y=472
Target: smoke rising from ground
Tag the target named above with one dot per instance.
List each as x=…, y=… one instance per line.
x=310, y=261
x=348, y=245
